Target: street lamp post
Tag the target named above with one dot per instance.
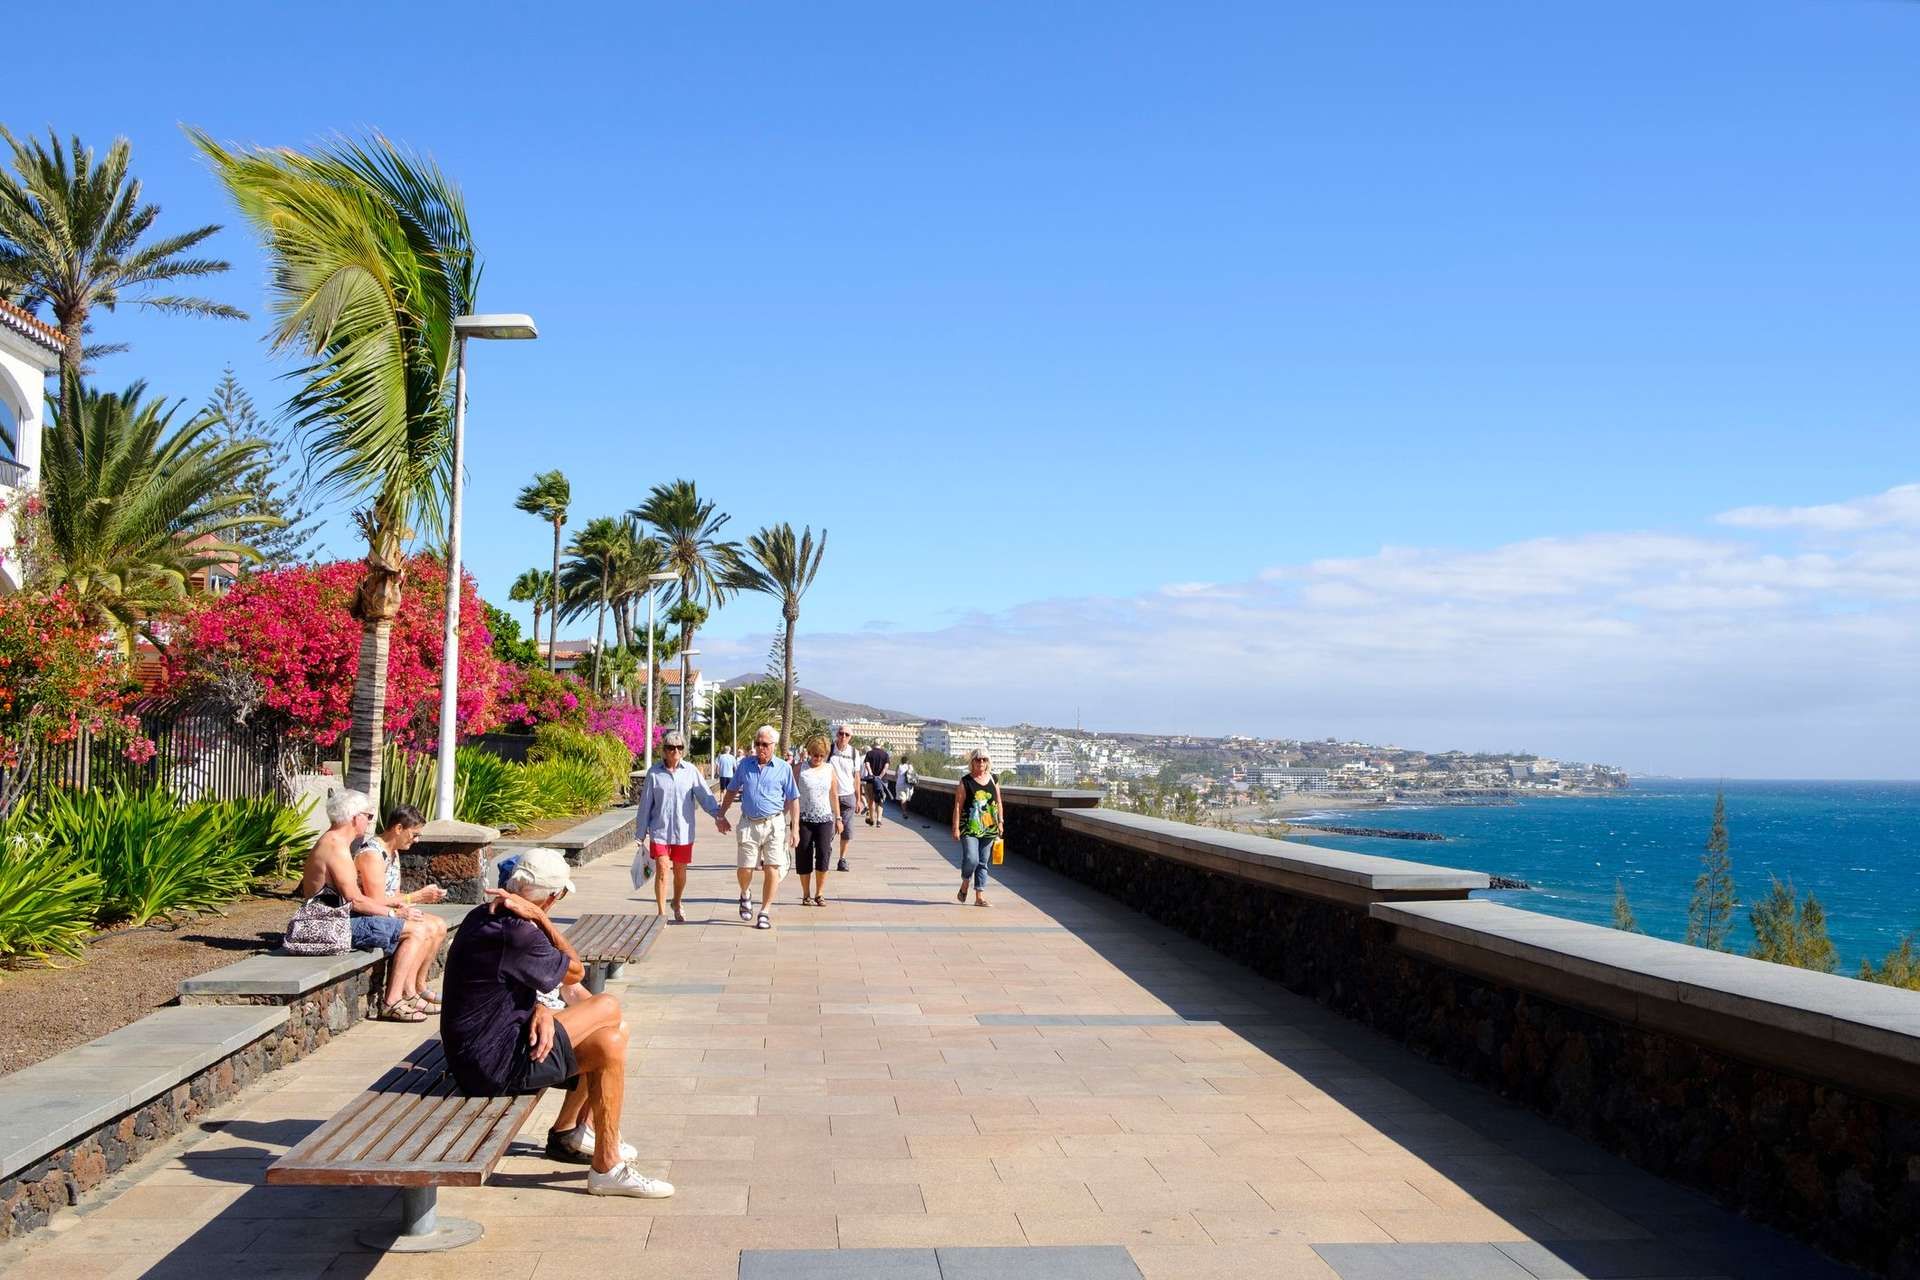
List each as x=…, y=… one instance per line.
x=464, y=327
x=653, y=581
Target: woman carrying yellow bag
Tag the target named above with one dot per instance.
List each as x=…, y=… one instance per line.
x=979, y=820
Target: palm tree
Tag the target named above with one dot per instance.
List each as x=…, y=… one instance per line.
x=135, y=506
x=592, y=557
x=777, y=564
x=71, y=234
x=548, y=497
x=688, y=531
x=640, y=557
x=535, y=587
x=372, y=261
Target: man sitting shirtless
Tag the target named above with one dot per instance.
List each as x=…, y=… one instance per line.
x=500, y=1038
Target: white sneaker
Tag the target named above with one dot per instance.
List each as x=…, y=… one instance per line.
x=621, y=1180
x=580, y=1138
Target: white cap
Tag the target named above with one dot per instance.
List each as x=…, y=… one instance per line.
x=541, y=872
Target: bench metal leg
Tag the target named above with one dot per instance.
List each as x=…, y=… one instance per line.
x=421, y=1228
x=596, y=978
x=615, y=969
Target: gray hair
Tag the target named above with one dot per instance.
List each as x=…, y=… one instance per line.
x=768, y=729
x=345, y=805
x=674, y=738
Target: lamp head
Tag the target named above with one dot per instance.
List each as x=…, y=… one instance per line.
x=498, y=325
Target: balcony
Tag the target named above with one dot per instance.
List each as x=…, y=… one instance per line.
x=12, y=474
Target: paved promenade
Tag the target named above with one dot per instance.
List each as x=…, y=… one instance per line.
x=899, y=1086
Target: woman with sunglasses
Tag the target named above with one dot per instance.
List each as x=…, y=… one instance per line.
x=979, y=818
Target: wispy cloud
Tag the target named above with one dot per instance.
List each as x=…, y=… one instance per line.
x=1739, y=653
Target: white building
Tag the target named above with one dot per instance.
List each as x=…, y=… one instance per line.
x=958, y=741
x=904, y=736
x=1291, y=778
x=704, y=691
x=29, y=353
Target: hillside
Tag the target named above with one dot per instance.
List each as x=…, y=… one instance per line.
x=831, y=708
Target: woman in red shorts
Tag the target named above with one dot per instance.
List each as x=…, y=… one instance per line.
x=663, y=827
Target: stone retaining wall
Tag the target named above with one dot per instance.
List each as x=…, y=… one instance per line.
x=1835, y=1164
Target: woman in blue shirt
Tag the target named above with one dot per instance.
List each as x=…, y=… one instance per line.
x=663, y=827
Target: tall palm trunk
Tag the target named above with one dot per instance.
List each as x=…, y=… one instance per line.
x=686, y=656
x=367, y=738
x=375, y=605
x=553, y=630
x=792, y=612
x=599, y=627
x=73, y=327
x=539, y=608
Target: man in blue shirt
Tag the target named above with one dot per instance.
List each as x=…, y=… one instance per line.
x=769, y=822
x=663, y=820
x=723, y=767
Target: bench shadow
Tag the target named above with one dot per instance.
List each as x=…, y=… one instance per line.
x=1491, y=1149
x=265, y=940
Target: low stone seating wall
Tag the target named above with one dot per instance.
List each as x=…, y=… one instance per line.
x=70, y=1122
x=592, y=839
x=1792, y=1096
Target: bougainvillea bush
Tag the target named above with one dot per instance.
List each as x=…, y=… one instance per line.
x=288, y=640
x=60, y=677
x=628, y=723
x=531, y=697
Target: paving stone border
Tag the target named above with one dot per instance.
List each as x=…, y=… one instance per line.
x=588, y=841
x=1804, y=1118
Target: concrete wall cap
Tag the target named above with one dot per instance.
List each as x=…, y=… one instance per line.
x=1364, y=870
x=1826, y=1006
x=453, y=831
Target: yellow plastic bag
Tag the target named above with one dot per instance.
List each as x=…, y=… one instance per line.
x=999, y=851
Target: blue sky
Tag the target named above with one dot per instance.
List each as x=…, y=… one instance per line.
x=1054, y=313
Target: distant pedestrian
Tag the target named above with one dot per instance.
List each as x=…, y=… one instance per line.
x=819, y=816
x=663, y=820
x=846, y=770
x=873, y=771
x=769, y=822
x=903, y=784
x=724, y=766
x=979, y=819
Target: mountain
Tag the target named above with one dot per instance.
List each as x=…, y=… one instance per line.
x=830, y=708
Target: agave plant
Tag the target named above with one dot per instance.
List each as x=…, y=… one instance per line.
x=47, y=900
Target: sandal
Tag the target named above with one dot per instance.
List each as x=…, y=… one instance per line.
x=400, y=1011
x=979, y=899
x=679, y=916
x=961, y=897
x=764, y=922
x=428, y=1001
x=819, y=901
x=746, y=907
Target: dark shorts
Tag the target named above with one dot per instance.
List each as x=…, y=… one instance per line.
x=558, y=1068
x=816, y=847
x=377, y=933
x=726, y=780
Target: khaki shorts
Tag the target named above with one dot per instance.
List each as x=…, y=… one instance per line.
x=763, y=843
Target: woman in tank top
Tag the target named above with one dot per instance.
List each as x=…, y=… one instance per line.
x=978, y=820
x=819, y=788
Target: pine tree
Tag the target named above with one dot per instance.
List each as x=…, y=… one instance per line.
x=1623, y=918
x=271, y=485
x=1788, y=929
x=1710, y=911
x=1900, y=968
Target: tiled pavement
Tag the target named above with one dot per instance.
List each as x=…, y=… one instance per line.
x=896, y=1085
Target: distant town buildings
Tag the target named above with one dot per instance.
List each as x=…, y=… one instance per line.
x=904, y=736
x=959, y=741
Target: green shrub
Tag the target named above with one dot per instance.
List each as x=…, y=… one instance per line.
x=47, y=900
x=273, y=837
x=565, y=787
x=406, y=778
x=492, y=791
x=154, y=856
x=605, y=752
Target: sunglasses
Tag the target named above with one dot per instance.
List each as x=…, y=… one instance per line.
x=672, y=748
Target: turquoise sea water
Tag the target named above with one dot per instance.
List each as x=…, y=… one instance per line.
x=1854, y=844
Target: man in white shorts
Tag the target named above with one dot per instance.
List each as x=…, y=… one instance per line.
x=769, y=822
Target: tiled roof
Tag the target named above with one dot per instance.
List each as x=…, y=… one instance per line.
x=671, y=675
x=27, y=325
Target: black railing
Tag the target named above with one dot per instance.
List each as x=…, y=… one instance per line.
x=12, y=474
x=199, y=753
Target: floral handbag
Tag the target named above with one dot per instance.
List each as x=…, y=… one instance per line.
x=322, y=926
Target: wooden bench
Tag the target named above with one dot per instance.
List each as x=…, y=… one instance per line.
x=413, y=1130
x=606, y=941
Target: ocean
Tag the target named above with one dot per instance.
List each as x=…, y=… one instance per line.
x=1855, y=845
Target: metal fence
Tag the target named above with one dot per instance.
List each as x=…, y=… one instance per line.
x=200, y=753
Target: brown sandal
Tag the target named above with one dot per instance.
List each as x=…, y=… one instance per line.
x=400, y=1011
